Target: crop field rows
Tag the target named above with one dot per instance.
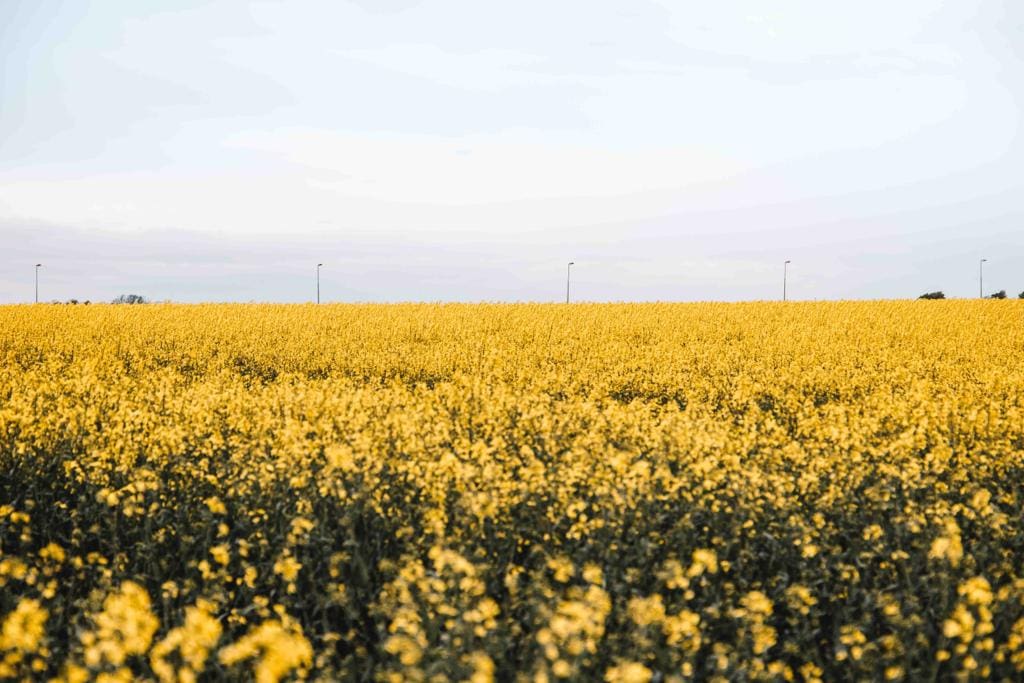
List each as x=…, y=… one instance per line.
x=619, y=492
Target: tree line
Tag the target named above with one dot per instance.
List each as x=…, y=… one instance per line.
x=1001, y=294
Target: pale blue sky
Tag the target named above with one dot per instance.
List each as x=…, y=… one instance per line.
x=467, y=150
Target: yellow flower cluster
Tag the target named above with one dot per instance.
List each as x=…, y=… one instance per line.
x=193, y=641
x=21, y=636
x=655, y=492
x=278, y=648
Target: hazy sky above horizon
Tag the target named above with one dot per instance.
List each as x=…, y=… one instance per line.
x=466, y=150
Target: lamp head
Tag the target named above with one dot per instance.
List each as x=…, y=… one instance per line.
x=38, y=265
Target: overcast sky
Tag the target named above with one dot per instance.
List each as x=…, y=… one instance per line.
x=202, y=151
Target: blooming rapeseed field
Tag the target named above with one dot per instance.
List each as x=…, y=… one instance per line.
x=516, y=492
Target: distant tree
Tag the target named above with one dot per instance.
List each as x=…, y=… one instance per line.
x=932, y=295
x=1001, y=294
x=1021, y=295
x=72, y=301
x=130, y=299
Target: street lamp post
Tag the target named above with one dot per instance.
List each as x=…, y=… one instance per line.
x=318, y=282
x=981, y=278
x=785, y=274
x=568, y=269
x=38, y=266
